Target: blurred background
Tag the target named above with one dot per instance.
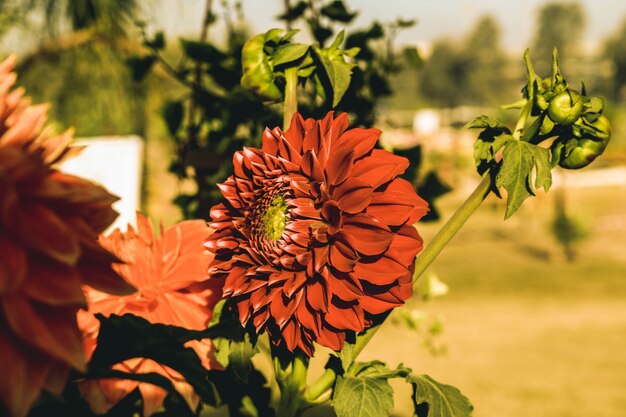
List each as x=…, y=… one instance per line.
x=526, y=317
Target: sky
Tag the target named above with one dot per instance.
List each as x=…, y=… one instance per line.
x=436, y=18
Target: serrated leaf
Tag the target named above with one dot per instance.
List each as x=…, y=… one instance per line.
x=484, y=122
x=240, y=357
x=336, y=72
x=362, y=397
x=377, y=369
x=520, y=160
x=513, y=176
x=289, y=53
x=543, y=175
x=442, y=400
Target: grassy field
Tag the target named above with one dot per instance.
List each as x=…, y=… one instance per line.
x=527, y=333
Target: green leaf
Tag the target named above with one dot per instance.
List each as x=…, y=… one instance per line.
x=433, y=399
x=202, y=51
x=173, y=115
x=336, y=74
x=377, y=369
x=543, y=176
x=140, y=66
x=337, y=11
x=289, y=53
x=157, y=42
x=294, y=11
x=520, y=160
x=240, y=357
x=362, y=397
x=484, y=122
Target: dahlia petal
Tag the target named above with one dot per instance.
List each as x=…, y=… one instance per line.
x=406, y=244
x=270, y=141
x=339, y=166
x=294, y=284
x=153, y=397
x=375, y=305
x=307, y=318
x=316, y=296
x=243, y=307
x=311, y=166
x=44, y=231
x=307, y=211
x=290, y=334
x=312, y=140
x=380, y=167
x=330, y=338
x=382, y=271
x=59, y=186
x=27, y=127
x=260, y=319
x=294, y=135
x=184, y=261
x=360, y=140
x=98, y=274
x=23, y=371
x=353, y=195
x=53, y=330
x=287, y=151
x=366, y=234
x=342, y=256
x=57, y=378
x=13, y=265
x=344, y=289
x=337, y=127
x=350, y=318
x=54, y=284
x=179, y=309
x=320, y=256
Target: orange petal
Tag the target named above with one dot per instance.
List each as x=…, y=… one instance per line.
x=12, y=264
x=23, y=371
x=53, y=283
x=53, y=330
x=43, y=230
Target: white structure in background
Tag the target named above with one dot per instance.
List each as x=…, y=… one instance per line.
x=116, y=164
x=427, y=122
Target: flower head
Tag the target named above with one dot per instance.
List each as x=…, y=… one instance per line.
x=315, y=237
x=169, y=272
x=49, y=226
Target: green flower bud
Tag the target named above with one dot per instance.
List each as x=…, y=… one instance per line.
x=565, y=108
x=585, y=152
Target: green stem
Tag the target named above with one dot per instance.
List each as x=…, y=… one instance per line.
x=292, y=382
x=447, y=232
x=291, y=96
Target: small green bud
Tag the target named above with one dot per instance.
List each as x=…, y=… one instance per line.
x=565, y=108
x=585, y=152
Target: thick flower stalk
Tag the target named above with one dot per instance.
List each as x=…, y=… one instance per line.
x=169, y=272
x=49, y=226
x=316, y=235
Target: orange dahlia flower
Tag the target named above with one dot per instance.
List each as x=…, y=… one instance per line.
x=315, y=237
x=169, y=272
x=49, y=226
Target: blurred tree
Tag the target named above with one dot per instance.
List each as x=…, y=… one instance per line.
x=469, y=72
x=615, y=50
x=79, y=63
x=559, y=25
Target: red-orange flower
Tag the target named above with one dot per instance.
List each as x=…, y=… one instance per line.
x=315, y=237
x=49, y=226
x=169, y=272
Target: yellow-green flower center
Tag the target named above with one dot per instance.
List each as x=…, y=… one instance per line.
x=274, y=219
